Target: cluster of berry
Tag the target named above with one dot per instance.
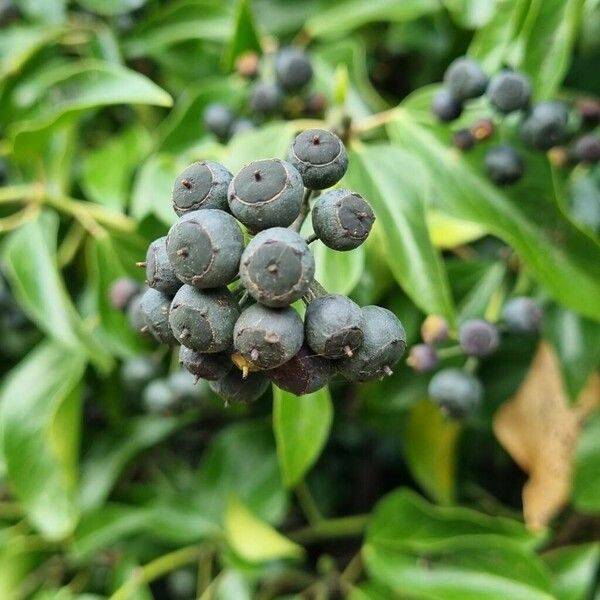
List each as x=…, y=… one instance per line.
x=458, y=391
x=282, y=95
x=252, y=325
x=544, y=125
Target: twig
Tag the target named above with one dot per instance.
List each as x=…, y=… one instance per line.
x=331, y=528
x=307, y=503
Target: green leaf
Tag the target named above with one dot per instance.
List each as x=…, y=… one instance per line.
x=586, y=476
x=393, y=182
x=448, y=232
x=430, y=450
x=39, y=416
x=471, y=14
x=477, y=301
x=253, y=539
x=245, y=35
x=338, y=272
x=574, y=570
x=301, y=425
x=515, y=219
x=111, y=7
x=46, y=11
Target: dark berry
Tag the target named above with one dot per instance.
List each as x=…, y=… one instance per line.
x=333, y=326
x=266, y=193
x=203, y=320
x=159, y=272
x=320, y=157
x=293, y=68
x=201, y=185
x=137, y=372
x=265, y=98
x=456, y=392
x=509, y=91
x=158, y=397
x=522, y=315
x=483, y=129
x=122, y=292
x=504, y=165
x=445, y=106
x=304, y=373
x=383, y=345
x=205, y=366
x=422, y=358
x=268, y=337
x=434, y=329
x=235, y=388
x=589, y=110
x=218, y=119
x=204, y=248
x=463, y=140
x=465, y=78
x=587, y=149
x=155, y=307
x=241, y=126
x=342, y=219
x=135, y=315
x=277, y=267
x=478, y=338
x=546, y=125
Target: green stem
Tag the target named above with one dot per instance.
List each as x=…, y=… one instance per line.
x=304, y=210
x=471, y=365
x=449, y=352
x=13, y=193
x=307, y=504
x=331, y=528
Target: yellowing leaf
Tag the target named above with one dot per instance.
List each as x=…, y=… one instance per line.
x=448, y=232
x=539, y=428
x=253, y=539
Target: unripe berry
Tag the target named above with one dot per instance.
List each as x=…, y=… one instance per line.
x=277, y=267
x=155, y=307
x=159, y=272
x=434, y=329
x=333, y=326
x=445, y=106
x=478, y=338
x=463, y=140
x=383, y=344
x=158, y=397
x=522, y=315
x=504, y=165
x=137, y=372
x=483, y=129
x=320, y=157
x=422, y=358
x=246, y=64
x=235, y=388
x=135, y=315
x=268, y=337
x=293, y=68
x=201, y=185
x=304, y=373
x=204, y=248
x=465, y=78
x=266, y=193
x=241, y=126
x=218, y=119
x=546, y=125
x=203, y=320
x=265, y=98
x=122, y=292
x=456, y=392
x=509, y=91
x=205, y=366
x=342, y=219
x=587, y=149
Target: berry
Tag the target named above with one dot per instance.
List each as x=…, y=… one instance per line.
x=589, y=110
x=446, y=107
x=478, y=338
x=304, y=373
x=546, y=125
x=135, y=315
x=155, y=307
x=504, y=165
x=434, y=329
x=137, y=372
x=456, y=392
x=522, y=315
x=320, y=157
x=422, y=358
x=483, y=129
x=463, y=140
x=293, y=68
x=266, y=193
x=201, y=185
x=204, y=248
x=465, y=78
x=265, y=98
x=246, y=64
x=122, y=292
x=235, y=388
x=268, y=337
x=205, y=366
x=509, y=91
x=218, y=119
x=316, y=103
x=383, y=345
x=203, y=320
x=158, y=397
x=587, y=149
x=342, y=219
x=333, y=326
x=277, y=267
x=159, y=273
x=241, y=126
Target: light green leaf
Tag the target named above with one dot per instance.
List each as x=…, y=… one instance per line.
x=301, y=425
x=472, y=14
x=586, y=476
x=338, y=272
x=477, y=301
x=447, y=232
x=111, y=7
x=574, y=570
x=46, y=11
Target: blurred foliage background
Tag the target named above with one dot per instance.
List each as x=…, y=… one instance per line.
x=364, y=491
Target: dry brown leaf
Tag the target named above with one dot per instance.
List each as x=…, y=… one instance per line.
x=539, y=428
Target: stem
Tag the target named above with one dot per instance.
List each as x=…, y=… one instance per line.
x=352, y=572
x=330, y=528
x=449, y=352
x=304, y=210
x=376, y=120
x=12, y=193
x=471, y=365
x=311, y=238
x=307, y=504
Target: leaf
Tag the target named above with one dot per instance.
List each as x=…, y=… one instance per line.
x=245, y=34
x=301, y=425
x=111, y=7
x=586, y=476
x=338, y=272
x=448, y=232
x=482, y=294
x=539, y=429
x=46, y=11
x=389, y=179
x=574, y=570
x=253, y=539
x=39, y=417
x=471, y=14
x=430, y=450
